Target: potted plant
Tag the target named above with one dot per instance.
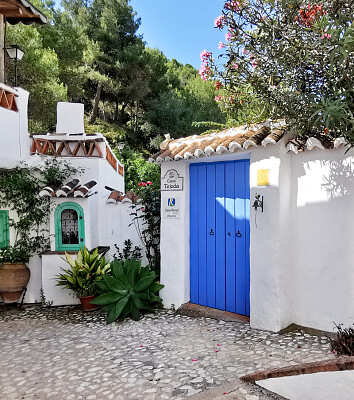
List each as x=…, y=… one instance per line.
x=81, y=277
x=14, y=273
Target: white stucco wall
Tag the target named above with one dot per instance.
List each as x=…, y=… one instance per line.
x=268, y=241
x=174, y=243
x=322, y=234
x=51, y=267
x=14, y=130
x=319, y=386
x=301, y=257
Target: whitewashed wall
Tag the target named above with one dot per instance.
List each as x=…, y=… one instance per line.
x=105, y=224
x=321, y=282
x=51, y=267
x=14, y=137
x=301, y=253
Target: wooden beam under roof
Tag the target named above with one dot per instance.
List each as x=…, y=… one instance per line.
x=23, y=11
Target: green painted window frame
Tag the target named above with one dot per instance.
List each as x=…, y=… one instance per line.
x=6, y=229
x=59, y=246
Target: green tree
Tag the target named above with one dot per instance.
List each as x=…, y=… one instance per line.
x=38, y=73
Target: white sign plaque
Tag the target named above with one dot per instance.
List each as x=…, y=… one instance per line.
x=171, y=208
x=171, y=181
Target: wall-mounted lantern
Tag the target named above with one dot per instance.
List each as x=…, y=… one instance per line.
x=120, y=146
x=16, y=54
x=258, y=203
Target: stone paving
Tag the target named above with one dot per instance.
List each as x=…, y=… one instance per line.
x=62, y=353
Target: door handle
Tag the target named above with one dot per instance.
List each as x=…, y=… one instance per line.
x=211, y=232
x=238, y=234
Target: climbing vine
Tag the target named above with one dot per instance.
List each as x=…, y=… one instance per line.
x=29, y=213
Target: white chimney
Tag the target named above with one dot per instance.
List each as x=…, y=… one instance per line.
x=70, y=118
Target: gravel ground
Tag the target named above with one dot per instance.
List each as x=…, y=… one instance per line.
x=63, y=353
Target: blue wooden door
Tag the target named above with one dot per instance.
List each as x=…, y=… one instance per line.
x=219, y=235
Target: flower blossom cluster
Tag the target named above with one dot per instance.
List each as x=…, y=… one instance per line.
x=311, y=15
x=326, y=35
x=219, y=22
x=218, y=85
x=218, y=98
x=148, y=183
x=228, y=36
x=221, y=45
x=205, y=70
x=254, y=62
x=233, y=5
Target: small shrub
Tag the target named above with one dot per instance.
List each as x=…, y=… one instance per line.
x=343, y=344
x=128, y=252
x=129, y=291
x=84, y=272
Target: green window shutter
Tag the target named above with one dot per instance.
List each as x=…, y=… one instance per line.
x=60, y=243
x=4, y=228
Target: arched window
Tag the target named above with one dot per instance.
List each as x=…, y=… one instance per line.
x=69, y=227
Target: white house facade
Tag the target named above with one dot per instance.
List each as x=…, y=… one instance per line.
x=291, y=262
x=89, y=209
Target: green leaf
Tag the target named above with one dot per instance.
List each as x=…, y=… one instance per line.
x=155, y=287
x=117, y=271
x=144, y=295
x=116, y=311
x=155, y=298
x=144, y=283
x=102, y=285
x=69, y=260
x=108, y=307
x=134, y=312
x=114, y=284
x=127, y=309
x=107, y=298
x=132, y=273
x=144, y=272
x=138, y=303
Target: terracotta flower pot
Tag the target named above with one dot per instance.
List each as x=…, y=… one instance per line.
x=86, y=305
x=13, y=280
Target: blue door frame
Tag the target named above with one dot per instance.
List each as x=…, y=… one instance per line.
x=219, y=235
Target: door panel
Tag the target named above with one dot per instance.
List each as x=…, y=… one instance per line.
x=219, y=235
x=220, y=229
x=210, y=261
x=230, y=237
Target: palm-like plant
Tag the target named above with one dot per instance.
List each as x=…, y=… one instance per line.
x=128, y=291
x=84, y=272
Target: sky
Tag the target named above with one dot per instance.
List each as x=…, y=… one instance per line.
x=180, y=29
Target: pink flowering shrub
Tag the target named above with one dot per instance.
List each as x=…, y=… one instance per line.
x=218, y=23
x=289, y=59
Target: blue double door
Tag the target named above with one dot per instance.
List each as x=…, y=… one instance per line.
x=219, y=235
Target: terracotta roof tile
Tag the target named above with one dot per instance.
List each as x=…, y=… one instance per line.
x=238, y=138
x=69, y=189
x=116, y=197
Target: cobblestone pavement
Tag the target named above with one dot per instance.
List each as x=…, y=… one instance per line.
x=62, y=353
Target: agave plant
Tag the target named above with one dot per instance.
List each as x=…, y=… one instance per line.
x=130, y=290
x=84, y=272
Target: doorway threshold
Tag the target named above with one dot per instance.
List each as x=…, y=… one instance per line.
x=196, y=310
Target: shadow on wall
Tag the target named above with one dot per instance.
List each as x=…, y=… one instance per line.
x=340, y=179
x=321, y=247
